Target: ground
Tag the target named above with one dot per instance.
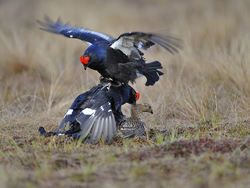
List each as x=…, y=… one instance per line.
x=202, y=100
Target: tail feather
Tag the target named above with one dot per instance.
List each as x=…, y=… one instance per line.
x=160, y=73
x=151, y=73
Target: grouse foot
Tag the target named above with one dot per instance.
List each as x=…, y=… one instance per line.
x=113, y=83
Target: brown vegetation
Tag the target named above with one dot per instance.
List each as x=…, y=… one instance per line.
x=203, y=99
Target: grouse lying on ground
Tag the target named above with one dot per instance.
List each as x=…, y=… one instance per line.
x=119, y=59
x=96, y=113
x=134, y=126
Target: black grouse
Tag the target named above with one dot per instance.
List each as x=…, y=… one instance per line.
x=118, y=59
x=96, y=114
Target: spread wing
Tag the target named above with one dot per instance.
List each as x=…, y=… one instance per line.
x=127, y=42
x=93, y=112
x=73, y=32
x=97, y=122
x=79, y=103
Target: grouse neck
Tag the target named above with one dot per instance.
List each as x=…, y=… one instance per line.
x=136, y=114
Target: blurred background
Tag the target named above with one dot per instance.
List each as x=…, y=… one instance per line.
x=203, y=99
x=40, y=73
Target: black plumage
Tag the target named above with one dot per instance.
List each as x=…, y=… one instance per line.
x=119, y=59
x=95, y=114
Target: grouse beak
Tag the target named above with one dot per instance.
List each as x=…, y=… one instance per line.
x=151, y=112
x=85, y=67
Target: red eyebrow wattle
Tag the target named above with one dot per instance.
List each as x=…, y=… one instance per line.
x=137, y=96
x=84, y=60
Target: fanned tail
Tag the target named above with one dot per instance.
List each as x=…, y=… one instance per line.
x=151, y=73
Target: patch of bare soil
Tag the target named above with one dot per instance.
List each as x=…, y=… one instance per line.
x=185, y=148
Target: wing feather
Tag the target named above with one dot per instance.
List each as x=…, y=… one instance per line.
x=72, y=32
x=97, y=121
x=129, y=43
x=99, y=133
x=112, y=127
x=86, y=122
x=96, y=127
x=105, y=129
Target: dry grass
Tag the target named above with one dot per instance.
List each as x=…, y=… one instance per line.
x=203, y=100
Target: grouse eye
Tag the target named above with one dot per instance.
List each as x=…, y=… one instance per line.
x=84, y=60
x=137, y=96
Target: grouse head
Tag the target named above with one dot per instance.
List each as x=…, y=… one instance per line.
x=94, y=57
x=145, y=107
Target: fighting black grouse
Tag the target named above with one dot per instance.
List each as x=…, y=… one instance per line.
x=119, y=59
x=96, y=113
